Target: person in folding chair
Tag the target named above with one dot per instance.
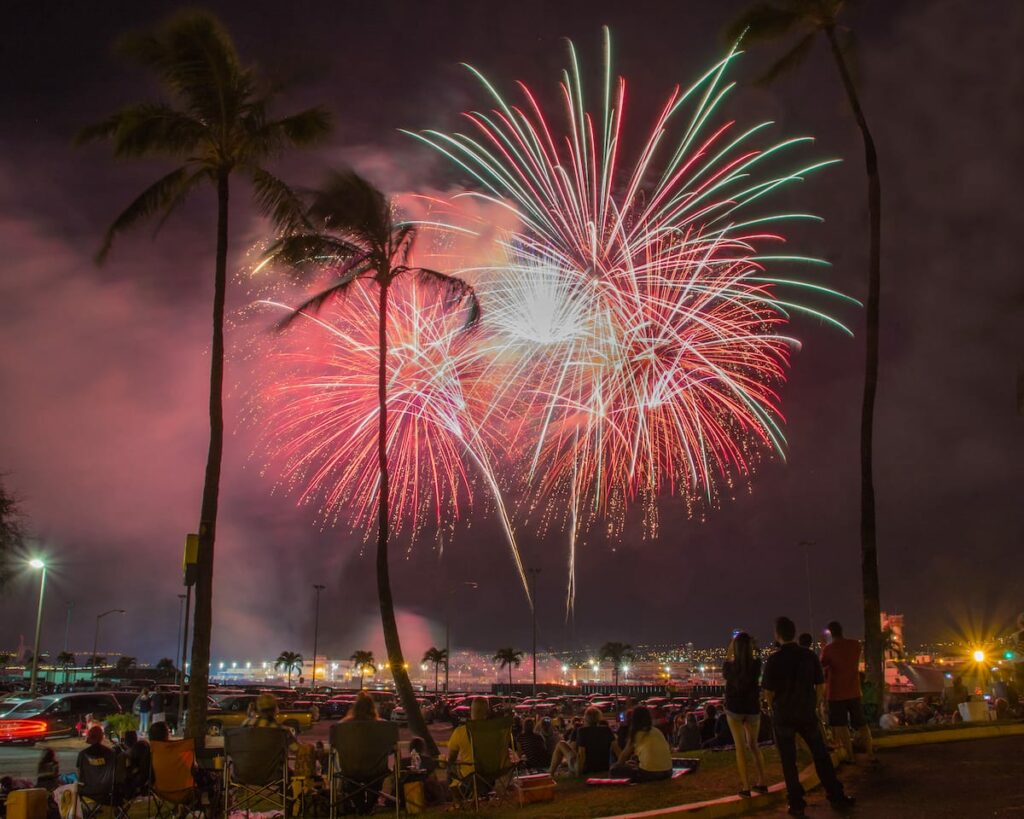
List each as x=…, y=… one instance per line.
x=479, y=759
x=102, y=772
x=173, y=763
x=364, y=760
x=256, y=762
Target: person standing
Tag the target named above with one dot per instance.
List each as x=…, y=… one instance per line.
x=742, y=673
x=145, y=710
x=794, y=685
x=840, y=660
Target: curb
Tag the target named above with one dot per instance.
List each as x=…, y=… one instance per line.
x=738, y=806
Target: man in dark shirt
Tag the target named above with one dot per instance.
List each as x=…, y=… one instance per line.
x=100, y=769
x=794, y=685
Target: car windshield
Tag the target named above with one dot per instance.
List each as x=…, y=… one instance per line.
x=31, y=707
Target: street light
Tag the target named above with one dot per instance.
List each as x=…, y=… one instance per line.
x=316, y=628
x=36, y=563
x=96, y=637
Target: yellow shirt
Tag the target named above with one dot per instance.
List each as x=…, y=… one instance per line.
x=459, y=743
x=653, y=751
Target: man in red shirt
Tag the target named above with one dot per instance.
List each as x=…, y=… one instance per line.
x=841, y=661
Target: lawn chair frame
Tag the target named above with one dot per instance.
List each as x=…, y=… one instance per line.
x=497, y=779
x=387, y=762
x=241, y=796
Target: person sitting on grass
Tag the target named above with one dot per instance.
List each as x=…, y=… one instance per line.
x=532, y=747
x=590, y=750
x=649, y=746
x=707, y=723
x=689, y=736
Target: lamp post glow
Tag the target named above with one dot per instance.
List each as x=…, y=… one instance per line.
x=96, y=636
x=36, y=563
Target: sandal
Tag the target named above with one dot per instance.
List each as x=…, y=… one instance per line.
x=761, y=789
x=744, y=794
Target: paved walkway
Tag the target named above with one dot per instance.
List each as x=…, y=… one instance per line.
x=958, y=780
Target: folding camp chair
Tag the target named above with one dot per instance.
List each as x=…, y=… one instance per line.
x=102, y=785
x=173, y=786
x=492, y=768
x=256, y=769
x=361, y=764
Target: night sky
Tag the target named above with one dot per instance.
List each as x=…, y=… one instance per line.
x=103, y=371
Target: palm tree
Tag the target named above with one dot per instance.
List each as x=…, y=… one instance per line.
x=289, y=662
x=619, y=654
x=218, y=125
x=96, y=660
x=508, y=657
x=361, y=660
x=166, y=666
x=5, y=659
x=768, y=21
x=125, y=663
x=66, y=660
x=439, y=657
x=12, y=534
x=362, y=244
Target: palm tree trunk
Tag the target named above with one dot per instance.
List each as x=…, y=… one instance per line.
x=200, y=669
x=873, y=658
x=436, y=667
x=392, y=642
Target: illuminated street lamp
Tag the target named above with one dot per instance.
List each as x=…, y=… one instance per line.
x=36, y=563
x=979, y=655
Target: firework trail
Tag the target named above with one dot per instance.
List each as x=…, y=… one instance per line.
x=634, y=333
x=318, y=409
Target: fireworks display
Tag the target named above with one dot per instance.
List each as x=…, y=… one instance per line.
x=633, y=336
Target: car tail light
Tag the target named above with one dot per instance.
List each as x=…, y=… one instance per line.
x=22, y=729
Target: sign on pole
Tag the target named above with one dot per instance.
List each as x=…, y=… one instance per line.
x=191, y=562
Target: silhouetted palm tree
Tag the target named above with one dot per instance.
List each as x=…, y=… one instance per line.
x=619, y=654
x=809, y=18
x=66, y=660
x=439, y=657
x=217, y=124
x=361, y=660
x=12, y=533
x=288, y=661
x=166, y=666
x=508, y=657
x=351, y=230
x=125, y=663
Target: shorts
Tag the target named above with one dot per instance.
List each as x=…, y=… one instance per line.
x=846, y=712
x=754, y=719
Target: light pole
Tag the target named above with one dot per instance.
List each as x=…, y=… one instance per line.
x=177, y=641
x=533, y=610
x=36, y=563
x=316, y=627
x=96, y=637
x=448, y=627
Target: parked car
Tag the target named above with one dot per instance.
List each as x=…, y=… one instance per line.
x=337, y=706
x=426, y=708
x=231, y=711
x=61, y=713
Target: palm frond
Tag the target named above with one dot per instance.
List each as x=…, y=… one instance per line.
x=278, y=201
x=764, y=21
x=788, y=61
x=167, y=192
x=298, y=130
x=454, y=291
x=349, y=204
x=315, y=303
x=147, y=129
x=303, y=251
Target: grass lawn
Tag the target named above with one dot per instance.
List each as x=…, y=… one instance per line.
x=715, y=778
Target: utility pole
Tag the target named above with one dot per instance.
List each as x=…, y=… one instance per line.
x=316, y=628
x=448, y=626
x=533, y=608
x=96, y=639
